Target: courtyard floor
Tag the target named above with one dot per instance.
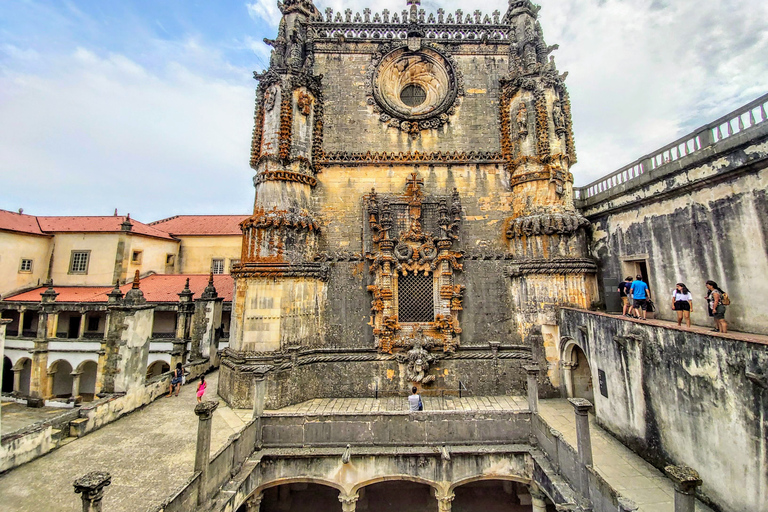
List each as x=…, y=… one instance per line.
x=16, y=416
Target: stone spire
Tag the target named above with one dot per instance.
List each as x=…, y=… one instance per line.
x=135, y=296
x=186, y=294
x=115, y=296
x=127, y=225
x=210, y=290
x=50, y=294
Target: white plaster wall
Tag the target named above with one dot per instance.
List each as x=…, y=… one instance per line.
x=14, y=247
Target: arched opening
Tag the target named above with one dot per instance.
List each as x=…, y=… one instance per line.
x=397, y=495
x=25, y=374
x=7, y=375
x=87, y=388
x=494, y=496
x=581, y=374
x=157, y=368
x=62, y=379
x=299, y=497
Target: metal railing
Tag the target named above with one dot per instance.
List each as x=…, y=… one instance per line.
x=743, y=118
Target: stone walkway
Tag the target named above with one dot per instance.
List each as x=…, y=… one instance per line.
x=150, y=453
x=624, y=470
x=16, y=416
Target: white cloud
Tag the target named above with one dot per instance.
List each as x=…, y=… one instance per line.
x=264, y=10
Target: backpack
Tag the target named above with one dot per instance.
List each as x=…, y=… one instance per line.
x=725, y=300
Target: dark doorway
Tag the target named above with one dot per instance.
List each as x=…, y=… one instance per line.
x=7, y=375
x=300, y=497
x=74, y=327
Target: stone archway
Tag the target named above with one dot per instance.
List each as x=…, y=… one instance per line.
x=157, y=368
x=577, y=372
x=294, y=495
x=388, y=495
x=60, y=373
x=85, y=377
x=22, y=371
x=7, y=375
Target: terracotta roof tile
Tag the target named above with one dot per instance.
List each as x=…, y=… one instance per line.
x=96, y=224
x=201, y=224
x=11, y=221
x=156, y=288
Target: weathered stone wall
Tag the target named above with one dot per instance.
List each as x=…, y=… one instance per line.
x=678, y=397
x=352, y=126
x=704, y=217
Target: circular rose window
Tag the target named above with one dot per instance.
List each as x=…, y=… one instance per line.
x=415, y=88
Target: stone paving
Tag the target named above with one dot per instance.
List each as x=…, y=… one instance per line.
x=16, y=416
x=150, y=453
x=623, y=469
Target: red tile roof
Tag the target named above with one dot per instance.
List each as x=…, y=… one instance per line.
x=93, y=224
x=201, y=224
x=156, y=288
x=11, y=221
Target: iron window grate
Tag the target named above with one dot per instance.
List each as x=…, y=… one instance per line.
x=415, y=299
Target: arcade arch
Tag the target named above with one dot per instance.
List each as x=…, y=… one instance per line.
x=22, y=374
x=577, y=373
x=60, y=375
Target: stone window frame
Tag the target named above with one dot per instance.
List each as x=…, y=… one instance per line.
x=26, y=265
x=82, y=266
x=136, y=256
x=433, y=276
x=217, y=265
x=170, y=259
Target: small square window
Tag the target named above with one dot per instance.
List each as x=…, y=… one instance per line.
x=136, y=256
x=170, y=259
x=26, y=265
x=217, y=266
x=78, y=264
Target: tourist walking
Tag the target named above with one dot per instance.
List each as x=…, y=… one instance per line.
x=414, y=401
x=623, y=291
x=716, y=304
x=178, y=376
x=682, y=302
x=641, y=294
x=201, y=389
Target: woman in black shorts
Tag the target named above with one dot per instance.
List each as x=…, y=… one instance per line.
x=682, y=301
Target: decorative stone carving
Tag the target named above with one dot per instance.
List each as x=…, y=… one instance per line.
x=304, y=103
x=522, y=120
x=564, y=223
x=417, y=361
x=554, y=266
x=269, y=98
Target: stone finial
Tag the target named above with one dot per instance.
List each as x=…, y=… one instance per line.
x=581, y=405
x=345, y=457
x=204, y=410
x=115, y=295
x=92, y=485
x=50, y=294
x=186, y=294
x=210, y=290
x=135, y=295
x=127, y=225
x=686, y=480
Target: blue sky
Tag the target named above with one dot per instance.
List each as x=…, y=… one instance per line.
x=147, y=106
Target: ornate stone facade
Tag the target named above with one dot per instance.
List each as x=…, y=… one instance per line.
x=414, y=214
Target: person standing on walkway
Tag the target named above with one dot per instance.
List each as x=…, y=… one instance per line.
x=641, y=294
x=682, y=302
x=623, y=291
x=716, y=306
x=178, y=375
x=414, y=401
x=201, y=389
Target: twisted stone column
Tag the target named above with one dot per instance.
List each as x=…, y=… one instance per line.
x=91, y=488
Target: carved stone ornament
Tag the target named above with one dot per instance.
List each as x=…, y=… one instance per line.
x=522, y=120
x=304, y=103
x=269, y=98
x=414, y=90
x=417, y=362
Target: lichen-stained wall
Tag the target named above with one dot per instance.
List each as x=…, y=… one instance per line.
x=678, y=397
x=350, y=124
x=717, y=232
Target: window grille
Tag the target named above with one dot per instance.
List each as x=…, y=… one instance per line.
x=415, y=298
x=26, y=266
x=79, y=262
x=217, y=266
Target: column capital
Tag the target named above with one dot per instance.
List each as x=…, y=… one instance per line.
x=580, y=405
x=92, y=485
x=532, y=369
x=686, y=480
x=253, y=503
x=348, y=501
x=204, y=410
x=444, y=501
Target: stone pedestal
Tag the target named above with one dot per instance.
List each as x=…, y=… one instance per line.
x=686, y=481
x=532, y=372
x=91, y=488
x=204, y=411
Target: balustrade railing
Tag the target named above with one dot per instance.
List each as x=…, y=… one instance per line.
x=743, y=118
x=163, y=335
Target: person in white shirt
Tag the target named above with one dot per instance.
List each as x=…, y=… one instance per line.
x=682, y=302
x=414, y=401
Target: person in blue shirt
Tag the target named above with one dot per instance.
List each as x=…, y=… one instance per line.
x=640, y=293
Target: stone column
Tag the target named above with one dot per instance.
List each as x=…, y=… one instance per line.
x=21, y=322
x=581, y=407
x=533, y=387
x=17, y=380
x=38, y=381
x=253, y=503
x=204, y=411
x=568, y=367
x=81, y=330
x=259, y=396
x=205, y=323
x=91, y=488
x=76, y=383
x=686, y=481
x=444, y=501
x=348, y=502
x=538, y=499
x=184, y=316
